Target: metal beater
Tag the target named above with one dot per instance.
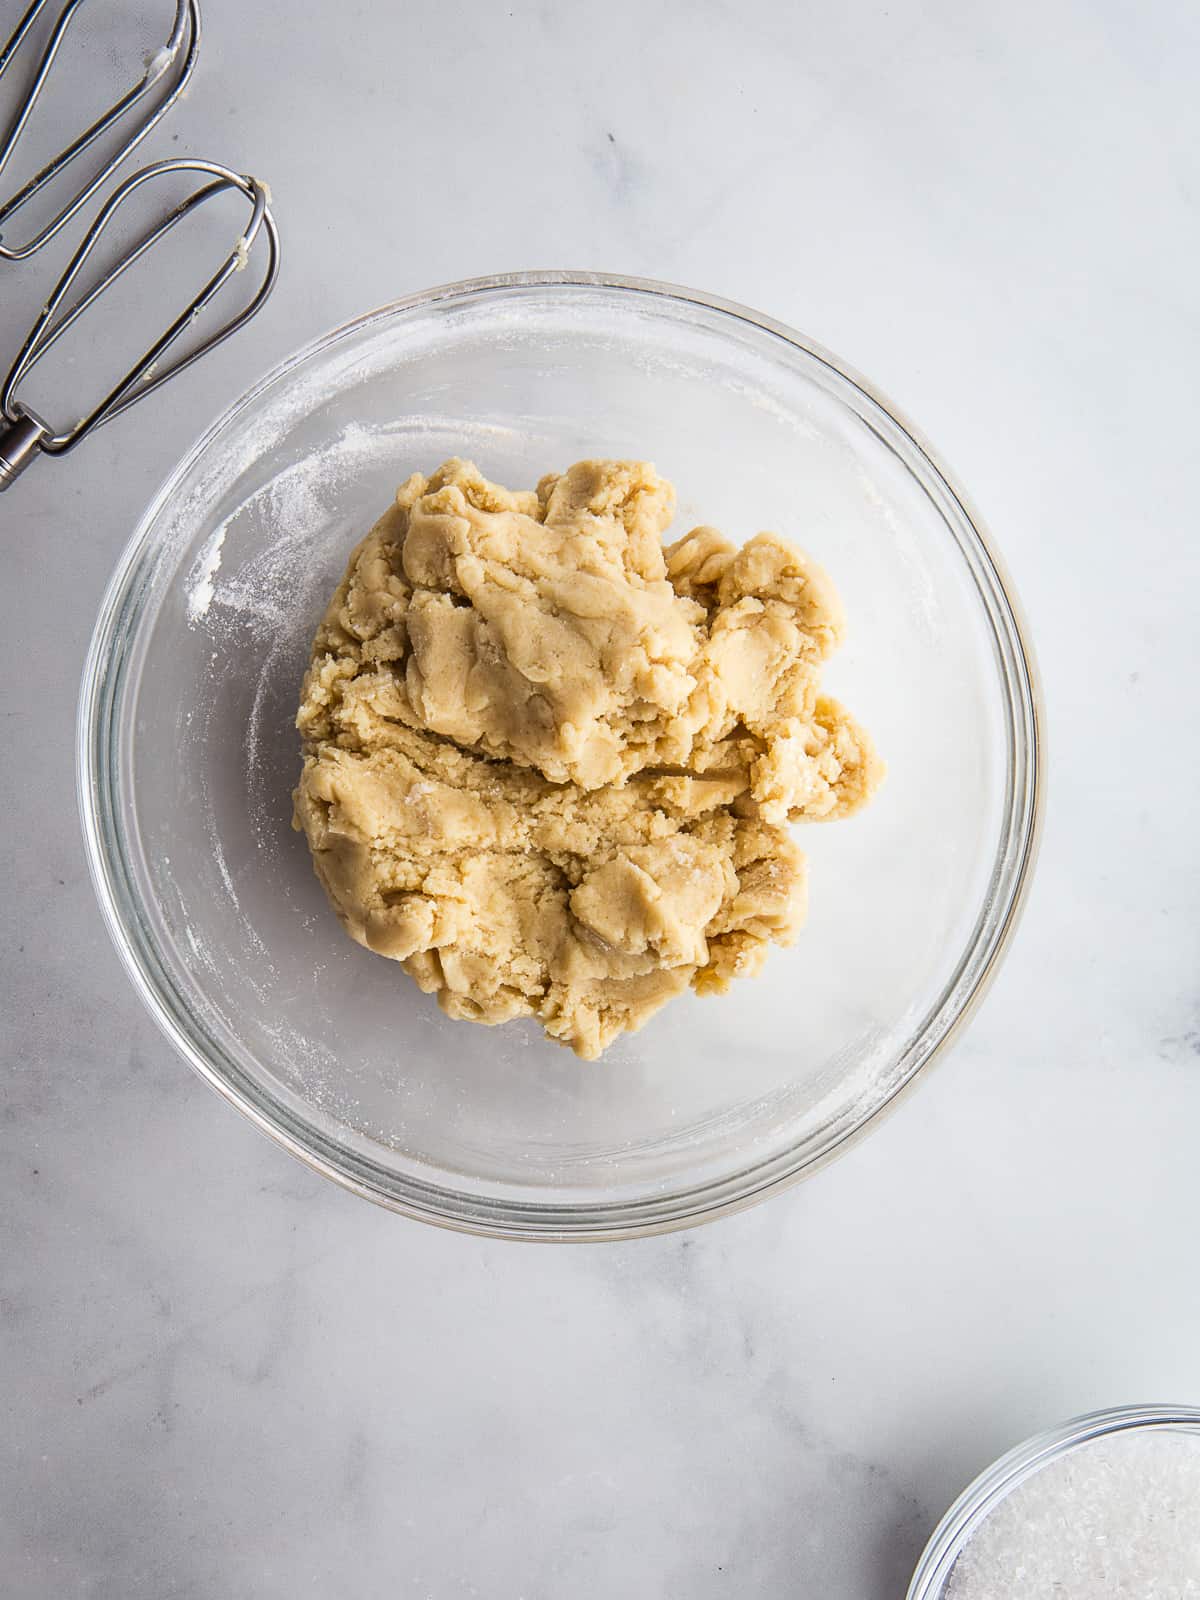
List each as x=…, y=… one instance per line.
x=176, y=58
x=24, y=435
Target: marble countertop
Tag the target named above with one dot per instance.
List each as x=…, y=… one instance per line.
x=224, y=1378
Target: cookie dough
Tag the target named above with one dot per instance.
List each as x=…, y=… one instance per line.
x=550, y=763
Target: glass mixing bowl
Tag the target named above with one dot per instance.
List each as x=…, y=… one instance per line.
x=187, y=759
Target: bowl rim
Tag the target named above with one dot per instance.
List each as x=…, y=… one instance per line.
x=682, y=1208
x=995, y=1483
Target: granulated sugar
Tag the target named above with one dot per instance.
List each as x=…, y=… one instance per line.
x=1115, y=1519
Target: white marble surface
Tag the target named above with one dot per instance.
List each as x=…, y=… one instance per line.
x=222, y=1377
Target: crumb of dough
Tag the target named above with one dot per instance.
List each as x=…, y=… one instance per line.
x=550, y=762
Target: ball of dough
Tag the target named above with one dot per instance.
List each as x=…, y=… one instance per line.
x=550, y=762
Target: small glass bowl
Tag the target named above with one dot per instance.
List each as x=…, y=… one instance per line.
x=187, y=756
x=981, y=1498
